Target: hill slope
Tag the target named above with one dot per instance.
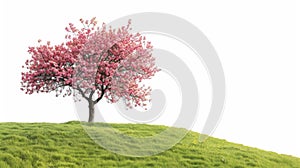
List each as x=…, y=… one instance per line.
x=67, y=145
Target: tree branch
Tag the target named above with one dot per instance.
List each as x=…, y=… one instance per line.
x=82, y=93
x=91, y=94
x=102, y=94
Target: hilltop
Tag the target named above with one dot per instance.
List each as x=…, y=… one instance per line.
x=68, y=145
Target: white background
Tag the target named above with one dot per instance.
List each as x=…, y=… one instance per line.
x=256, y=41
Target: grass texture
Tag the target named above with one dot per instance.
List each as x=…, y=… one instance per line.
x=68, y=145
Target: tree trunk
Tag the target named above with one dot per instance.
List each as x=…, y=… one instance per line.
x=91, y=110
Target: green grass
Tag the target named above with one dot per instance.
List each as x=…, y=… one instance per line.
x=68, y=145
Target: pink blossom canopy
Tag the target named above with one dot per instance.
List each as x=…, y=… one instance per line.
x=94, y=62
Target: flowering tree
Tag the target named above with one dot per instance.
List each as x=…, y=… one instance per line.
x=95, y=62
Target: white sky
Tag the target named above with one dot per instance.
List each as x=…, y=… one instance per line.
x=255, y=40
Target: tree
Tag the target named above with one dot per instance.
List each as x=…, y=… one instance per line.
x=95, y=62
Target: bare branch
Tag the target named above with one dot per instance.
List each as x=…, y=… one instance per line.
x=82, y=93
x=102, y=94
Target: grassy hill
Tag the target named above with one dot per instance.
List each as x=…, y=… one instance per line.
x=67, y=145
